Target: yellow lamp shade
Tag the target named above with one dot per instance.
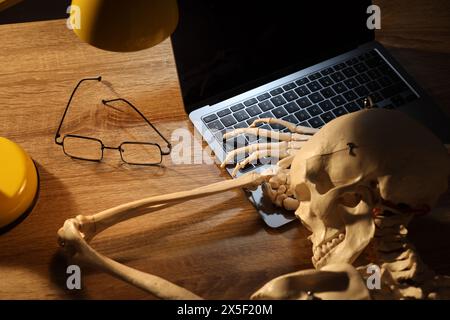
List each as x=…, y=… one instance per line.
x=18, y=182
x=123, y=26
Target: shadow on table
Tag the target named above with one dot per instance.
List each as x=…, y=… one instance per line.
x=31, y=245
x=431, y=234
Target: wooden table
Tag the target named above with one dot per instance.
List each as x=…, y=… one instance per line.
x=216, y=247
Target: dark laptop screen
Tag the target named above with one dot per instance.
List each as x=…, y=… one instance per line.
x=225, y=47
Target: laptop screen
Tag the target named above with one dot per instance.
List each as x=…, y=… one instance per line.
x=226, y=47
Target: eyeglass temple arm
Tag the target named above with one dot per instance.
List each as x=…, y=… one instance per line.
x=169, y=145
x=57, y=135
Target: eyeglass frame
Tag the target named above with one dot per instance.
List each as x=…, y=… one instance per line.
x=103, y=146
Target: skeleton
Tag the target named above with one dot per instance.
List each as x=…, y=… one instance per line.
x=354, y=184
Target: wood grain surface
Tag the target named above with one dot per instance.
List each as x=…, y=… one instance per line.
x=217, y=247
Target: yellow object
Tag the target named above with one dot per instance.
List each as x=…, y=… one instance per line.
x=18, y=182
x=123, y=26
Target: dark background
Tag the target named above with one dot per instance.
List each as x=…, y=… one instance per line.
x=32, y=10
x=225, y=47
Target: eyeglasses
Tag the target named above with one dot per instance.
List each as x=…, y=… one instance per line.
x=91, y=149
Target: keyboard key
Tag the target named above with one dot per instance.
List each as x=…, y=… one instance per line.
x=327, y=92
x=360, y=67
x=303, y=102
x=338, y=76
x=338, y=100
x=314, y=86
x=215, y=125
x=385, y=81
x=394, y=77
x=362, y=78
x=266, y=105
x=290, y=95
x=316, y=122
x=250, y=121
x=263, y=96
x=237, y=107
x=384, y=69
x=326, y=105
x=210, y=118
x=241, y=115
x=279, y=112
x=278, y=101
x=223, y=113
x=302, y=115
x=339, y=88
x=350, y=95
x=292, y=107
x=250, y=102
x=339, y=111
x=352, y=61
x=267, y=114
x=314, y=76
x=253, y=111
x=316, y=97
x=276, y=92
x=362, y=91
x=349, y=72
x=327, y=117
x=351, y=83
x=302, y=91
x=373, y=86
x=289, y=86
x=314, y=110
x=241, y=125
x=326, y=82
x=291, y=119
x=339, y=66
x=374, y=74
x=302, y=81
x=327, y=71
x=228, y=121
x=305, y=124
x=351, y=107
x=374, y=62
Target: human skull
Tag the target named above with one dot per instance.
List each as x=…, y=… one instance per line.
x=357, y=165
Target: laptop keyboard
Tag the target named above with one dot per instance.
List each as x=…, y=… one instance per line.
x=315, y=99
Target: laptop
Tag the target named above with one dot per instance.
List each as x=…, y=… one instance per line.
x=304, y=62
